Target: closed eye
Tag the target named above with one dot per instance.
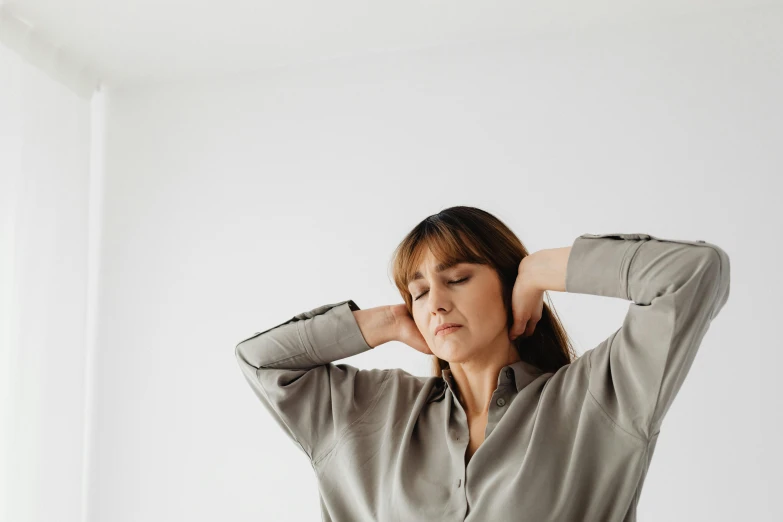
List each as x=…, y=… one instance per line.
x=450, y=282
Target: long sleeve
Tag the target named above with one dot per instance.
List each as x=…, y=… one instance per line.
x=289, y=367
x=677, y=288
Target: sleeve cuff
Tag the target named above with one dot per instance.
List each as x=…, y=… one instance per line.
x=333, y=332
x=598, y=263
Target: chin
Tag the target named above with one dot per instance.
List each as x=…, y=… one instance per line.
x=455, y=355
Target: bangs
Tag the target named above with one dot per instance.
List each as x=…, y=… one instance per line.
x=447, y=245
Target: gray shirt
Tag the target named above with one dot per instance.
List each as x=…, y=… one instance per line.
x=571, y=445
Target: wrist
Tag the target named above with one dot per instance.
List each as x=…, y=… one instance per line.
x=546, y=269
x=378, y=325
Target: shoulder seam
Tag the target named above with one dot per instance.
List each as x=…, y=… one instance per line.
x=598, y=403
x=609, y=340
x=280, y=414
x=361, y=417
x=637, y=437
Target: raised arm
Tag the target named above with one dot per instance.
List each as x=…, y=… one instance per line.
x=289, y=367
x=677, y=288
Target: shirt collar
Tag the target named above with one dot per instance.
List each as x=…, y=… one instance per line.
x=519, y=374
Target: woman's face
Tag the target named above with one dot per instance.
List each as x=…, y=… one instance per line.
x=467, y=294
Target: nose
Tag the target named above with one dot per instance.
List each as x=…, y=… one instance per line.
x=438, y=303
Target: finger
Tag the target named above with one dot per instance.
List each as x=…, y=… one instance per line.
x=512, y=332
x=531, y=327
x=517, y=331
x=520, y=325
x=517, y=311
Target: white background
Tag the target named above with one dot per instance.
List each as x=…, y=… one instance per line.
x=230, y=205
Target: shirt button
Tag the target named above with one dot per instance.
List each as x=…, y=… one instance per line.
x=501, y=402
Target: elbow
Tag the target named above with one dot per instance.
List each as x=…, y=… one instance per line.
x=241, y=355
x=718, y=271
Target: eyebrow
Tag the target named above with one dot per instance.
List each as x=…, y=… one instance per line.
x=438, y=269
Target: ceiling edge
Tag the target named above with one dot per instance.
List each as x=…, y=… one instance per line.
x=54, y=60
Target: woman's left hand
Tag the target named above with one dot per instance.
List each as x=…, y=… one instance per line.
x=527, y=302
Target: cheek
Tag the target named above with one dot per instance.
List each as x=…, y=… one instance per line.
x=487, y=311
x=420, y=321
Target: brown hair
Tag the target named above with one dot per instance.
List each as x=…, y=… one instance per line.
x=471, y=235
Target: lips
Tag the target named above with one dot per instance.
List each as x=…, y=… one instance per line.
x=444, y=326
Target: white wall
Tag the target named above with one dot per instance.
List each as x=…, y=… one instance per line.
x=45, y=213
x=232, y=206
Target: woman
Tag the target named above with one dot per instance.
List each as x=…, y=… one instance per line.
x=512, y=426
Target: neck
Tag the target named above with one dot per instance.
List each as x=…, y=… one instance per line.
x=477, y=380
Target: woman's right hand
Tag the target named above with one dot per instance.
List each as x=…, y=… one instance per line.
x=406, y=330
